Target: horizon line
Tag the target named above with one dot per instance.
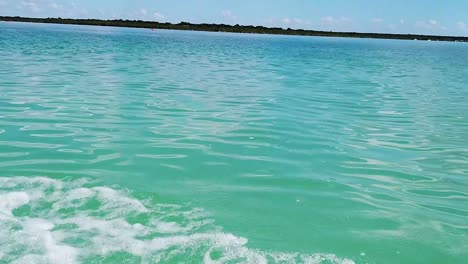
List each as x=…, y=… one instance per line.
x=273, y=30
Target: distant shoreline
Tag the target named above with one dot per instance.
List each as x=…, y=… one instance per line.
x=230, y=28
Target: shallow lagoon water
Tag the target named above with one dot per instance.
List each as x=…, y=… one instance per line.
x=131, y=145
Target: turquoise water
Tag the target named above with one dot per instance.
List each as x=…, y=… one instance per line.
x=133, y=146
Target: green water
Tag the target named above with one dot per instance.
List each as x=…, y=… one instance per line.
x=135, y=146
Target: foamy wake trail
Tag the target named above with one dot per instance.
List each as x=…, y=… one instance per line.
x=44, y=220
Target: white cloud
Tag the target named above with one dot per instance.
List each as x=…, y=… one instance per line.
x=297, y=21
x=377, y=20
x=141, y=14
x=333, y=23
x=269, y=21
x=402, y=21
x=293, y=22
x=84, y=11
x=287, y=20
x=462, y=26
x=58, y=7
x=158, y=16
x=30, y=5
x=47, y=8
x=430, y=25
x=227, y=14
x=328, y=20
x=380, y=25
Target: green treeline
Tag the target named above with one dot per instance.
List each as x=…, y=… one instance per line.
x=229, y=28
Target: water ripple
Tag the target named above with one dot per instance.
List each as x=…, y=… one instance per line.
x=300, y=144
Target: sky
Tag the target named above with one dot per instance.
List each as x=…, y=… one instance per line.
x=387, y=16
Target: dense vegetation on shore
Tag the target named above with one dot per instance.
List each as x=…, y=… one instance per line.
x=229, y=28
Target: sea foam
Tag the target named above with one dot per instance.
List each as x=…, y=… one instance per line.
x=44, y=220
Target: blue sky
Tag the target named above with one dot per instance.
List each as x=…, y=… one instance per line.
x=396, y=16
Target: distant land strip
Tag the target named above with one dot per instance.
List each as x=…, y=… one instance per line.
x=229, y=28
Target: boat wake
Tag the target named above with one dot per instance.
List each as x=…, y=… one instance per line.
x=45, y=220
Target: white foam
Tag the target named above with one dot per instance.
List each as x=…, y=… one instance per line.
x=40, y=229
x=31, y=258
x=47, y=235
x=114, y=199
x=12, y=200
x=28, y=182
x=168, y=227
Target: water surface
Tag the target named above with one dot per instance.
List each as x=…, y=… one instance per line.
x=129, y=145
